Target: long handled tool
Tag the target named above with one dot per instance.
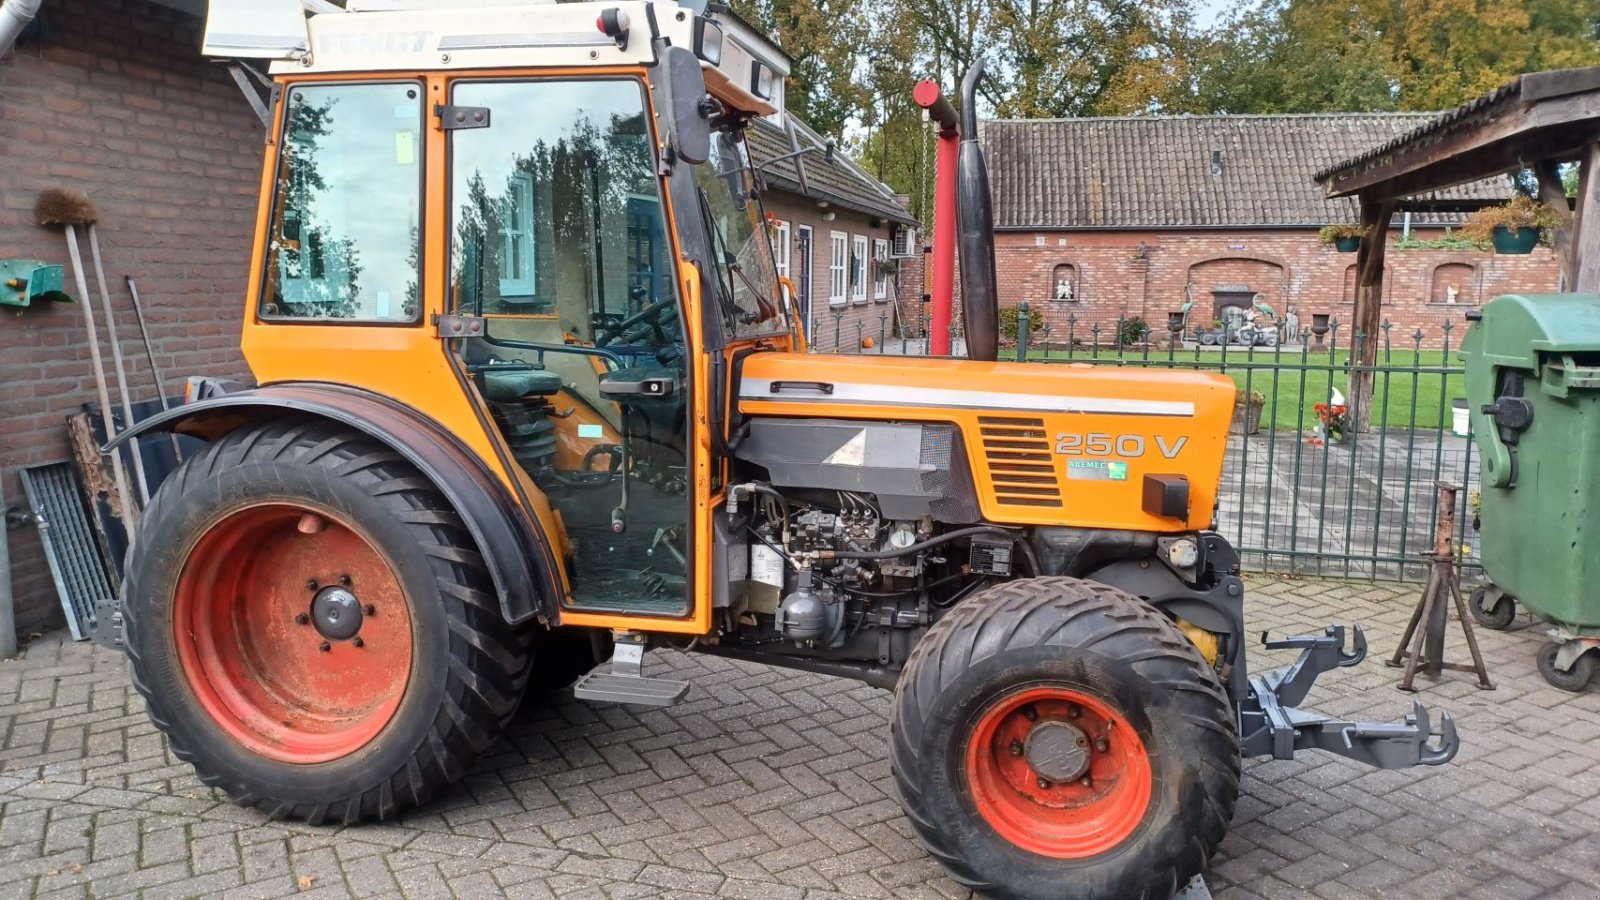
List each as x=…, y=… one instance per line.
x=150, y=352
x=69, y=209
x=116, y=360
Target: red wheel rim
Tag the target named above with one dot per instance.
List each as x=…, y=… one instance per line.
x=286, y=685
x=1025, y=732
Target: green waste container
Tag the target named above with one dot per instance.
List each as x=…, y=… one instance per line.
x=1533, y=394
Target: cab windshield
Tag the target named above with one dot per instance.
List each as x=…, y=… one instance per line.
x=748, y=278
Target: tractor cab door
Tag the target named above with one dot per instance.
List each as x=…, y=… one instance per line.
x=558, y=241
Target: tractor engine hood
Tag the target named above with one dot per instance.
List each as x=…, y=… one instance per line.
x=1085, y=446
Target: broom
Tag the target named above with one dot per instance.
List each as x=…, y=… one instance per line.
x=69, y=209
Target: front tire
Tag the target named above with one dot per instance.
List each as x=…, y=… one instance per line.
x=313, y=628
x=1053, y=737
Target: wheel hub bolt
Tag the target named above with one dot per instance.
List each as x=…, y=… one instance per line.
x=1086, y=781
x=302, y=619
x=324, y=646
x=1016, y=748
x=1102, y=745
x=311, y=584
x=369, y=609
x=1044, y=784
x=359, y=642
x=1073, y=711
x=1029, y=713
x=344, y=580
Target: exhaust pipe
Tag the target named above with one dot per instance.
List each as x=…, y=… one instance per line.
x=15, y=16
x=975, y=211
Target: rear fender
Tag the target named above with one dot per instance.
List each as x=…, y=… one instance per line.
x=514, y=548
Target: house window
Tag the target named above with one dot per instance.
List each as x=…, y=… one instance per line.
x=780, y=253
x=1064, y=283
x=880, y=270
x=838, y=266
x=858, y=270
x=516, y=237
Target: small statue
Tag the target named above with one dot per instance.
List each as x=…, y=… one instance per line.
x=1291, y=322
x=1451, y=293
x=1064, y=288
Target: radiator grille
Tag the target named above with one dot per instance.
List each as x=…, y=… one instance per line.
x=1021, y=466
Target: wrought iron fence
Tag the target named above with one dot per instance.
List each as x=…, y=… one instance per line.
x=1298, y=493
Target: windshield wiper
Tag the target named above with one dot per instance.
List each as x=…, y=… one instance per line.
x=725, y=302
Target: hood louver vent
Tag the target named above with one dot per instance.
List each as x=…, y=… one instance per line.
x=1020, y=463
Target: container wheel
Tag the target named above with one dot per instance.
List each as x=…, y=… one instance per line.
x=1574, y=679
x=1492, y=607
x=1055, y=732
x=312, y=628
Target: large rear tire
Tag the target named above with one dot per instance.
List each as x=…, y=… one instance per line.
x=313, y=628
x=1054, y=737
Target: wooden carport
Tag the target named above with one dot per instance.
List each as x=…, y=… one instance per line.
x=1538, y=122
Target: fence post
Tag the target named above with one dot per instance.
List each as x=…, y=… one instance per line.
x=838, y=323
x=1023, y=327
x=883, y=331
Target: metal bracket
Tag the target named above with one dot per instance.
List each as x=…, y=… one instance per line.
x=1271, y=725
x=248, y=80
x=455, y=326
x=461, y=118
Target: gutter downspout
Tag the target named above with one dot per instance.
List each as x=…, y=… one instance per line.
x=15, y=16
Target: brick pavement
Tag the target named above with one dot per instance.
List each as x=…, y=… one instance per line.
x=774, y=784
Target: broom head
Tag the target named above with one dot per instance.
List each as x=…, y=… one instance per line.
x=59, y=206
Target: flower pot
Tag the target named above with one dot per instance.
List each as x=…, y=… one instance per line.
x=1521, y=241
x=1347, y=244
x=1246, y=419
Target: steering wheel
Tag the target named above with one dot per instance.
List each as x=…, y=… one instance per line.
x=650, y=314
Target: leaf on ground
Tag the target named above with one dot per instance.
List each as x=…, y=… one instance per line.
x=306, y=881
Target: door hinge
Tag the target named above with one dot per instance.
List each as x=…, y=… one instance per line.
x=453, y=326
x=455, y=118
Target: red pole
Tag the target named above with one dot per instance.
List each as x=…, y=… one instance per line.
x=928, y=96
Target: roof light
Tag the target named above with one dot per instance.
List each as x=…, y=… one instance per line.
x=708, y=41
x=761, y=78
x=613, y=23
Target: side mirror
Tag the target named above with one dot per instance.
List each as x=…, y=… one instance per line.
x=686, y=92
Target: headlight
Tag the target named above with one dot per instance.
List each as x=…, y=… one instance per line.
x=761, y=80
x=708, y=41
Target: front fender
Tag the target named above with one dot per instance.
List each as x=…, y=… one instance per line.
x=514, y=548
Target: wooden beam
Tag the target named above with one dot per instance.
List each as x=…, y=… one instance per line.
x=1481, y=144
x=1586, y=230
x=1368, y=316
x=1553, y=194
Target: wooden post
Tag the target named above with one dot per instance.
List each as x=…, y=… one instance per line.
x=1552, y=193
x=1375, y=216
x=1586, y=229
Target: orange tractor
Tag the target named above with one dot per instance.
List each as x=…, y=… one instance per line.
x=531, y=401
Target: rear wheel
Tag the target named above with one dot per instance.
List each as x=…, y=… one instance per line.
x=1055, y=737
x=312, y=627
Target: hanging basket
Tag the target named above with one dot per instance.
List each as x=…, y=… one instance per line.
x=1516, y=243
x=1347, y=244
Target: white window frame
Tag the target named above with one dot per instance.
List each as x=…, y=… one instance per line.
x=781, y=249
x=880, y=277
x=520, y=209
x=838, y=267
x=858, y=286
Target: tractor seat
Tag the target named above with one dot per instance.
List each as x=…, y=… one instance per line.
x=508, y=387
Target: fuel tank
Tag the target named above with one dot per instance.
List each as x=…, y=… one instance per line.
x=1047, y=444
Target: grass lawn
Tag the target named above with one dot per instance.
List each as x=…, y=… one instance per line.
x=1293, y=383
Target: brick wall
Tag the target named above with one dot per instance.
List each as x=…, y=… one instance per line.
x=841, y=326
x=114, y=100
x=1126, y=274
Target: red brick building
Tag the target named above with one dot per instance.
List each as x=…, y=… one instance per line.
x=1101, y=219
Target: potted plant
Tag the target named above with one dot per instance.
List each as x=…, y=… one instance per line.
x=888, y=268
x=1247, y=413
x=1513, y=228
x=1344, y=238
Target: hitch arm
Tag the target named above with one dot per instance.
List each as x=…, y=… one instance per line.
x=1270, y=724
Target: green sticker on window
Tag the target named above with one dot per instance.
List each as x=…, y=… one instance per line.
x=588, y=432
x=1097, y=470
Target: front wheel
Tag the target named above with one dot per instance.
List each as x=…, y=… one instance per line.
x=1492, y=607
x=1056, y=737
x=312, y=627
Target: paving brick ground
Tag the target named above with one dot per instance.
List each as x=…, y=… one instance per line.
x=772, y=784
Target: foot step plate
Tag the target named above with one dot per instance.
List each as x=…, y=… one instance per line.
x=607, y=687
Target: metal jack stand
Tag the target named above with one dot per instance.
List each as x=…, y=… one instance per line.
x=1444, y=584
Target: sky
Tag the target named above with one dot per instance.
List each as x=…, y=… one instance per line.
x=1207, y=12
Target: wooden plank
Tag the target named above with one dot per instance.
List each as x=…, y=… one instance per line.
x=1586, y=237
x=1553, y=194
x=1368, y=315
x=1559, y=82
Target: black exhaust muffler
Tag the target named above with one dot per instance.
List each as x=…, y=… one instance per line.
x=975, y=214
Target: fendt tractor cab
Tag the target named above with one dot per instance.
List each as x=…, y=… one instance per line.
x=531, y=401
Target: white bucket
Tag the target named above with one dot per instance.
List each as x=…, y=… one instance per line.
x=1460, y=424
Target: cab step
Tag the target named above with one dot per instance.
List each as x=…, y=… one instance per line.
x=624, y=682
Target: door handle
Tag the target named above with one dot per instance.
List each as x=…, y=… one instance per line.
x=821, y=387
